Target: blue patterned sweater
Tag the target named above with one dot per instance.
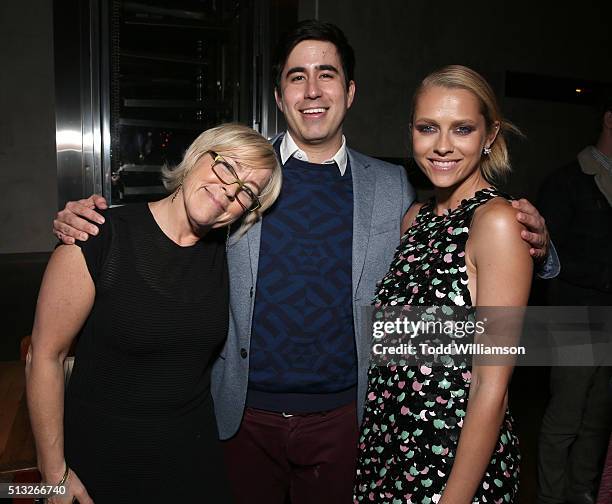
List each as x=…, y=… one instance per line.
x=303, y=356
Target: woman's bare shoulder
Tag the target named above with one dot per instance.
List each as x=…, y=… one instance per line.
x=495, y=226
x=495, y=214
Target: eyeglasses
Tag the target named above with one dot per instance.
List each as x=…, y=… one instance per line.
x=226, y=173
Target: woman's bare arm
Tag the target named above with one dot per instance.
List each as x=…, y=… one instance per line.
x=503, y=278
x=64, y=302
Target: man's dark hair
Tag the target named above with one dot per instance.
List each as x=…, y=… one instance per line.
x=312, y=29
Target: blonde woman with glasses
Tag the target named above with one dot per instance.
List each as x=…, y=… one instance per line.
x=148, y=300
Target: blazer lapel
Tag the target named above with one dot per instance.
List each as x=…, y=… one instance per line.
x=364, y=186
x=254, y=240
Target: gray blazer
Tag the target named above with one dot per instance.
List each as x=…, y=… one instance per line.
x=381, y=195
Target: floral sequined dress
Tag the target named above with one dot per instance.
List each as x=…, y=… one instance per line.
x=414, y=413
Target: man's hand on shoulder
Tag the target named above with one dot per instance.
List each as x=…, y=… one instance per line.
x=536, y=234
x=74, y=222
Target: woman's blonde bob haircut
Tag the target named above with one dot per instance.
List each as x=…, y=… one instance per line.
x=496, y=165
x=244, y=146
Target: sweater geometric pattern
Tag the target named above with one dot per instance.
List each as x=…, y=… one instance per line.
x=302, y=338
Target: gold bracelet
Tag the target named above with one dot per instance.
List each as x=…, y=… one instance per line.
x=65, y=476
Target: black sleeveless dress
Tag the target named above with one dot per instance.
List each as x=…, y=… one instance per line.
x=414, y=413
x=139, y=420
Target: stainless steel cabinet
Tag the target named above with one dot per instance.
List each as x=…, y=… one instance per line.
x=137, y=81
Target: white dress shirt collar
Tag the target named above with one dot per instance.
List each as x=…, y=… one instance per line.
x=289, y=148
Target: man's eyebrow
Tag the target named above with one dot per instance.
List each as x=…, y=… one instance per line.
x=329, y=68
x=295, y=70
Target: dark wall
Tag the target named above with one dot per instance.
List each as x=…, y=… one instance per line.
x=27, y=127
x=27, y=163
x=397, y=42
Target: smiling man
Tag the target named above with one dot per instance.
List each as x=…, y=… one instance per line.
x=313, y=259
x=290, y=383
x=314, y=93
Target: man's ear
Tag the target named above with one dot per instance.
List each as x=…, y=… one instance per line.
x=350, y=94
x=279, y=99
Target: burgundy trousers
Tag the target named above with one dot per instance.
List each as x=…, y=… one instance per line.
x=301, y=459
